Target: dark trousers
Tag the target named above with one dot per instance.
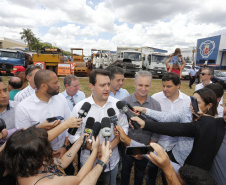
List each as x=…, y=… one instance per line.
x=139, y=169
x=192, y=80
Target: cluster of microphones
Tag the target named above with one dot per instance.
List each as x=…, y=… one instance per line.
x=93, y=128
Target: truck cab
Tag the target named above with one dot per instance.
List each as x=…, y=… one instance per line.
x=134, y=57
x=155, y=63
x=10, y=58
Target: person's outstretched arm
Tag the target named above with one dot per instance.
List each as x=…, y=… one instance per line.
x=168, y=128
x=71, y=122
x=173, y=116
x=92, y=177
x=162, y=161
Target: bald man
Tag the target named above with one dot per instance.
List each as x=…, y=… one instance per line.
x=45, y=103
x=15, y=84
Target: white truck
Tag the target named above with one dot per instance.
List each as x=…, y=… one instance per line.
x=130, y=58
x=153, y=61
x=101, y=58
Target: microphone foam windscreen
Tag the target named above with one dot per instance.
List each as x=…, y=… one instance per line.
x=86, y=106
x=105, y=122
x=89, y=123
x=111, y=112
x=126, y=103
x=96, y=128
x=120, y=104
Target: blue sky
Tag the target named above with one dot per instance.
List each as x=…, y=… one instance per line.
x=106, y=24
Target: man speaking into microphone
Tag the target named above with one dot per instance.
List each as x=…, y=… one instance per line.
x=100, y=102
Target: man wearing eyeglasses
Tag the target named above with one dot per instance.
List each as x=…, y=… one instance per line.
x=205, y=77
x=72, y=93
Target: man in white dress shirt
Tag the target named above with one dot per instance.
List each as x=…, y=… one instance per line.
x=170, y=99
x=45, y=103
x=72, y=93
x=100, y=102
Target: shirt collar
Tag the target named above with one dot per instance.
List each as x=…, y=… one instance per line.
x=134, y=99
x=37, y=100
x=179, y=97
x=92, y=102
x=66, y=94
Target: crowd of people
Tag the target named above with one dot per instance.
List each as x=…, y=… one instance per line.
x=189, y=147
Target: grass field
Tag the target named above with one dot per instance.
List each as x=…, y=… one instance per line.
x=156, y=86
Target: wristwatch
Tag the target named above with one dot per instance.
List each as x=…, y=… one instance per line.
x=102, y=164
x=66, y=146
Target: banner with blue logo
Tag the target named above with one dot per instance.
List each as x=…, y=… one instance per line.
x=207, y=49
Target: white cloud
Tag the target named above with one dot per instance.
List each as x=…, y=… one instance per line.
x=163, y=24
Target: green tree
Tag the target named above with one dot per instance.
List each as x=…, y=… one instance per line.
x=27, y=35
x=35, y=44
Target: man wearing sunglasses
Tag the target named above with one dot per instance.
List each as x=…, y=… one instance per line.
x=205, y=77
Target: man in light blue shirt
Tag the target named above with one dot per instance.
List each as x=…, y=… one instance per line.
x=117, y=79
x=192, y=75
x=72, y=93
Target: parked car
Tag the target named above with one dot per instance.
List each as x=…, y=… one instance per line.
x=219, y=78
x=185, y=72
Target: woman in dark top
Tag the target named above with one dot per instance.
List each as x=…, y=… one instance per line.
x=207, y=131
x=28, y=156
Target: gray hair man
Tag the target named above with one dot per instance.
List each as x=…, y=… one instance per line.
x=139, y=98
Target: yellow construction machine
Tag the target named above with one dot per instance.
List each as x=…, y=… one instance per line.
x=50, y=57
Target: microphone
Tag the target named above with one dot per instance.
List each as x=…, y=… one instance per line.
x=125, y=110
x=106, y=128
x=112, y=116
x=82, y=113
x=141, y=115
x=88, y=129
x=96, y=129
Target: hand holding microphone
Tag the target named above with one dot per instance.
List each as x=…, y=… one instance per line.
x=141, y=111
x=112, y=116
x=82, y=113
x=106, y=128
x=96, y=129
x=88, y=130
x=125, y=110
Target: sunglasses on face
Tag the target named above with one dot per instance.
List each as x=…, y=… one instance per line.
x=204, y=74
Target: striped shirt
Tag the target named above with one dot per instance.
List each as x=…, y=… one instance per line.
x=24, y=93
